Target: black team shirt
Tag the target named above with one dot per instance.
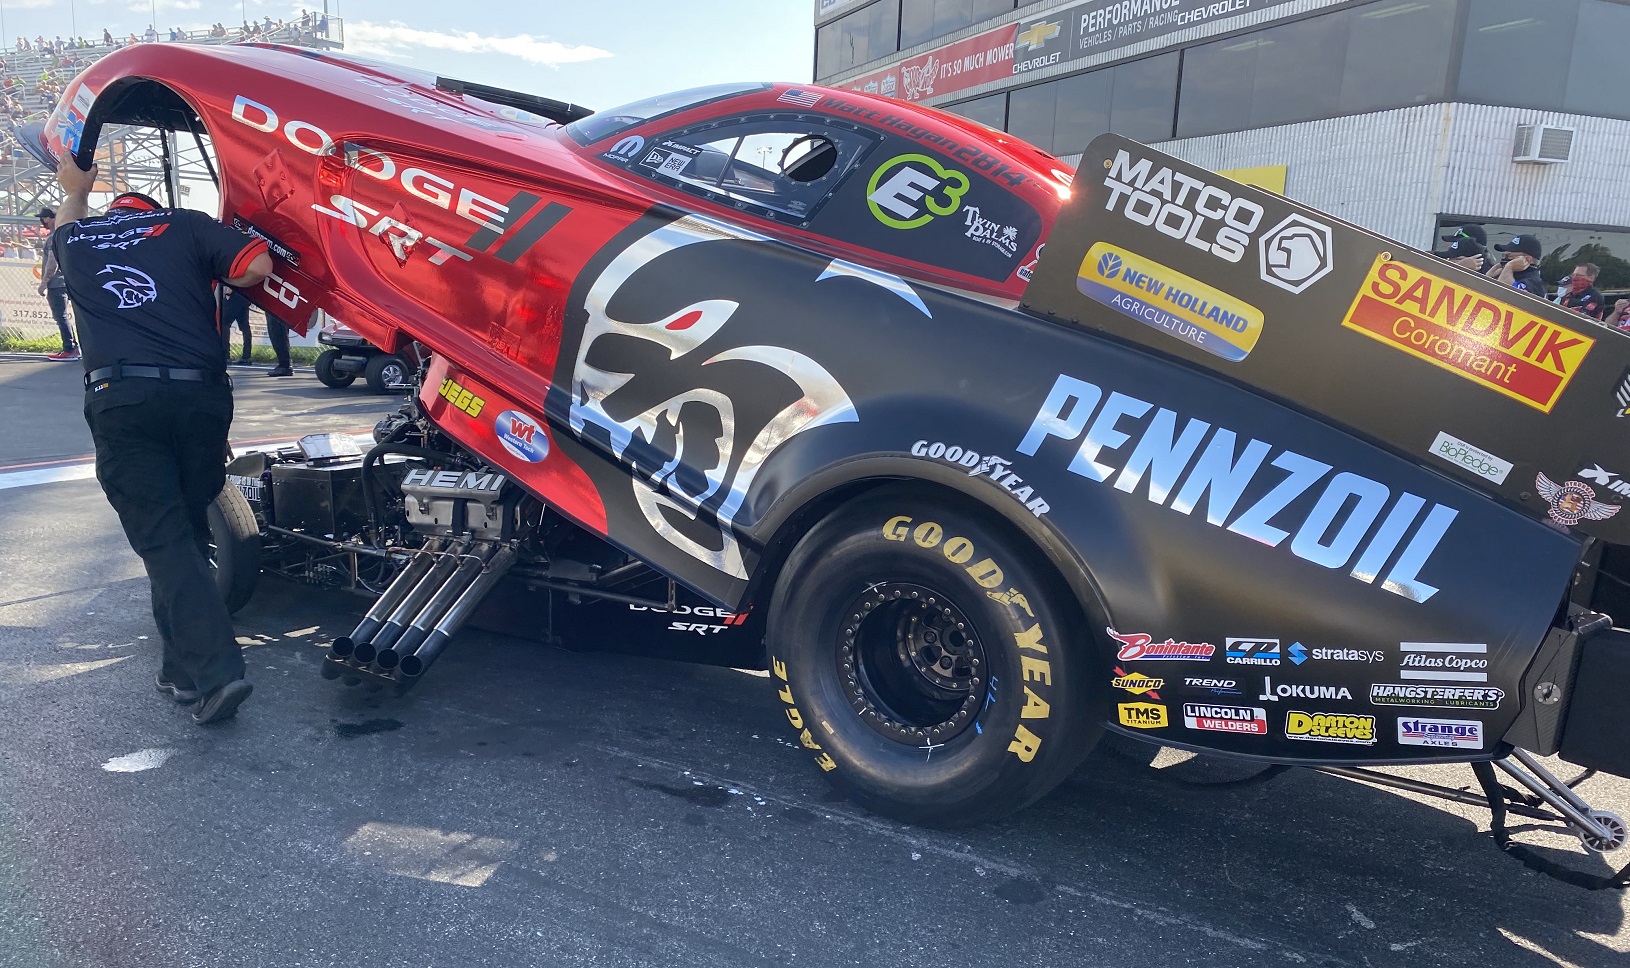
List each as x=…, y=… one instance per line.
x=141, y=284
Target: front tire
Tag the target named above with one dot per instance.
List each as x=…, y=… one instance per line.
x=929, y=661
x=385, y=372
x=234, y=547
x=328, y=375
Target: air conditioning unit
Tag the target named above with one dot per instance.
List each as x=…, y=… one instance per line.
x=1542, y=144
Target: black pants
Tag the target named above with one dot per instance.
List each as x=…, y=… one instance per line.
x=277, y=332
x=57, y=298
x=236, y=313
x=160, y=451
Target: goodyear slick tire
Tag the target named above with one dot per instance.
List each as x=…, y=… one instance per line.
x=327, y=375
x=1037, y=713
x=236, y=540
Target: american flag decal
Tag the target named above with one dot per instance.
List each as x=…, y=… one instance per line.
x=807, y=99
x=1622, y=394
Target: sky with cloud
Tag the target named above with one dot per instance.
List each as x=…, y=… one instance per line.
x=594, y=53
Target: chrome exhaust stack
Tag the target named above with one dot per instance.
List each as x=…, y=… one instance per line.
x=411, y=667
x=342, y=649
x=464, y=575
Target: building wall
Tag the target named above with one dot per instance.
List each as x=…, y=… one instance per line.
x=1394, y=172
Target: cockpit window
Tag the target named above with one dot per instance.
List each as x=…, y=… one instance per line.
x=604, y=124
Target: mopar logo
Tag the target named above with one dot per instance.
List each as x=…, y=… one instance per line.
x=521, y=436
x=1110, y=266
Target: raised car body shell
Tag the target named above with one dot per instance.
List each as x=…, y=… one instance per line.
x=683, y=381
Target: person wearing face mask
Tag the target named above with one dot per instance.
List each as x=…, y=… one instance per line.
x=1580, y=295
x=1520, y=268
x=1464, y=238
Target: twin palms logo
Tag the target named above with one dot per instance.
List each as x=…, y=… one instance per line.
x=1109, y=266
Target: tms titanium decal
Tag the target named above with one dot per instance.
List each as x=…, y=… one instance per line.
x=1572, y=502
x=1330, y=728
x=908, y=191
x=1442, y=697
x=1137, y=683
x=1300, y=653
x=1142, y=715
x=522, y=436
x=1252, y=720
x=1473, y=459
x=1489, y=342
x=1606, y=478
x=1345, y=529
x=1444, y=661
x=1262, y=652
x=1458, y=734
x=679, y=419
x=1138, y=647
x=1165, y=299
x=977, y=465
x=1273, y=693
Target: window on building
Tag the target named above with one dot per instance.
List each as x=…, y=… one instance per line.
x=1596, y=77
x=1397, y=54
x=1566, y=247
x=1145, y=98
x=988, y=111
x=1517, y=52
x=1371, y=57
x=857, y=38
x=924, y=20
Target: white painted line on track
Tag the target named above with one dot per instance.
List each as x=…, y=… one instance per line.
x=84, y=468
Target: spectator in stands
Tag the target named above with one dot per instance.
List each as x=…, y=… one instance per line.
x=151, y=36
x=1520, y=269
x=1580, y=293
x=55, y=290
x=1620, y=316
x=107, y=37
x=322, y=25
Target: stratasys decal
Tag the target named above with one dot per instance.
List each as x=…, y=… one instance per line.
x=1344, y=529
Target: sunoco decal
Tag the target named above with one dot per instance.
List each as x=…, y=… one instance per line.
x=522, y=436
x=1481, y=339
x=1165, y=299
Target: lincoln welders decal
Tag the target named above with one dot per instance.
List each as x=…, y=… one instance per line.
x=695, y=427
x=1344, y=529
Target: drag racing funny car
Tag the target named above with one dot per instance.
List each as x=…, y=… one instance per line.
x=979, y=457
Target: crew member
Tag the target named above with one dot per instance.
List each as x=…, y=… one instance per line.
x=53, y=289
x=236, y=313
x=1580, y=293
x=159, y=403
x=1520, y=269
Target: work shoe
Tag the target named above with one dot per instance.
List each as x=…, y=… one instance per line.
x=64, y=355
x=280, y=371
x=185, y=696
x=243, y=361
x=223, y=703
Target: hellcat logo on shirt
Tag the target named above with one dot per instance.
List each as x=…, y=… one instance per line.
x=133, y=287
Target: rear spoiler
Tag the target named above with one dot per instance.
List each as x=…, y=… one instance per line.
x=1511, y=394
x=560, y=112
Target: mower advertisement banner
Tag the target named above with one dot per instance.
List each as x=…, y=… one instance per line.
x=1474, y=379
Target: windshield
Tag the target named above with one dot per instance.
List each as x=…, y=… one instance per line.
x=607, y=123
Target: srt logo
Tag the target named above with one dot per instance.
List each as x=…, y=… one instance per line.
x=134, y=288
x=673, y=378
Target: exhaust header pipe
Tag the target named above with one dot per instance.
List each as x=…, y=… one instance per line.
x=345, y=645
x=469, y=568
x=413, y=666
x=441, y=566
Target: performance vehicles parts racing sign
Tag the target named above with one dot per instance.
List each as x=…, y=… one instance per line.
x=1393, y=343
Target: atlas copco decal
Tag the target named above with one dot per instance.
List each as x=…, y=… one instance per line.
x=1139, y=647
x=1357, y=524
x=1293, y=255
x=1251, y=720
x=1444, y=661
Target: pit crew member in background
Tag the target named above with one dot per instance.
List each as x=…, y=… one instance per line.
x=1520, y=269
x=236, y=313
x=1467, y=254
x=1581, y=295
x=1478, y=236
x=54, y=290
x=159, y=404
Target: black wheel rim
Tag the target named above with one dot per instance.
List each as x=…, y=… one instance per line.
x=912, y=665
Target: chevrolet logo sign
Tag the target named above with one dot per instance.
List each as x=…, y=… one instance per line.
x=1037, y=35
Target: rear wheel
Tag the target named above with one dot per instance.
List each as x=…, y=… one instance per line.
x=234, y=547
x=328, y=375
x=385, y=373
x=925, y=657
